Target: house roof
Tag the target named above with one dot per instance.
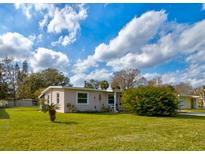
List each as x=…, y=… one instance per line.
x=75, y=88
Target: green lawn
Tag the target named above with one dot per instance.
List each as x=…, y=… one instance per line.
x=27, y=129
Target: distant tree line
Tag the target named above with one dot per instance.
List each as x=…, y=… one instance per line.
x=131, y=78
x=16, y=82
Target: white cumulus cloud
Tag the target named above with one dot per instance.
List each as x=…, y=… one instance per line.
x=203, y=6
x=133, y=36
x=15, y=45
x=99, y=74
x=81, y=65
x=26, y=9
x=46, y=58
x=56, y=19
x=130, y=39
x=147, y=41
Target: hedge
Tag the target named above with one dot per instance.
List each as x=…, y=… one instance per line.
x=150, y=101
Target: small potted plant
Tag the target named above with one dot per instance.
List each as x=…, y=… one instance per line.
x=51, y=108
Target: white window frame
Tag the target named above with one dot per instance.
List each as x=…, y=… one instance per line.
x=87, y=98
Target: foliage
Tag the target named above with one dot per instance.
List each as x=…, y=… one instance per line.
x=46, y=107
x=106, y=109
x=200, y=91
x=157, y=81
x=31, y=84
x=3, y=103
x=36, y=82
x=104, y=84
x=11, y=78
x=71, y=108
x=52, y=77
x=17, y=83
x=149, y=100
x=25, y=67
x=93, y=84
x=184, y=88
x=3, y=90
x=125, y=79
x=3, y=83
x=51, y=108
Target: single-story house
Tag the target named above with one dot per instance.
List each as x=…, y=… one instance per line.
x=83, y=99
x=189, y=101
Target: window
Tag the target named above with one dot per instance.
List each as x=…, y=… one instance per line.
x=110, y=99
x=57, y=98
x=48, y=99
x=82, y=98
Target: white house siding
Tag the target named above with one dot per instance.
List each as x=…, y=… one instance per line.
x=185, y=104
x=69, y=95
x=53, y=98
x=94, y=103
x=188, y=102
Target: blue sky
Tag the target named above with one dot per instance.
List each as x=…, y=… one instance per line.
x=93, y=40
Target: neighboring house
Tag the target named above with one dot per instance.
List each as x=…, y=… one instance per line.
x=189, y=101
x=84, y=99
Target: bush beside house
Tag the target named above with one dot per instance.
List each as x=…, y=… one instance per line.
x=150, y=101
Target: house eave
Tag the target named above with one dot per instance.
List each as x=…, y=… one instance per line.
x=75, y=88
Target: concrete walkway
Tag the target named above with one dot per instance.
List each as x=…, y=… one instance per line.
x=193, y=113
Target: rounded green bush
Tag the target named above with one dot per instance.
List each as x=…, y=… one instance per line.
x=151, y=101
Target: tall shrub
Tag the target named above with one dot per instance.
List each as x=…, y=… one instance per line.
x=149, y=100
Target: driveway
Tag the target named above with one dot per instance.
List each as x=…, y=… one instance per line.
x=193, y=113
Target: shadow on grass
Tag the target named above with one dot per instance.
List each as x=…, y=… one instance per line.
x=178, y=116
x=100, y=113
x=66, y=122
x=4, y=114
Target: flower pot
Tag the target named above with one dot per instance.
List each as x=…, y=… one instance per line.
x=52, y=114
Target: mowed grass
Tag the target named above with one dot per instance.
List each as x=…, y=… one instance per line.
x=27, y=129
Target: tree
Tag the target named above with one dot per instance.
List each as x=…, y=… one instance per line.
x=201, y=92
x=94, y=84
x=157, y=81
x=3, y=84
x=104, y=84
x=11, y=71
x=31, y=84
x=184, y=88
x=34, y=83
x=125, y=79
x=142, y=81
x=52, y=77
x=25, y=67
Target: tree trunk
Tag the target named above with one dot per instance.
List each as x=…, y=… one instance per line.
x=14, y=98
x=52, y=114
